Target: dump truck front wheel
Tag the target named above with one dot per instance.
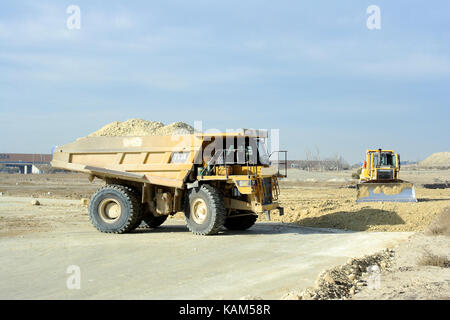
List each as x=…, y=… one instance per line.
x=240, y=222
x=205, y=210
x=115, y=209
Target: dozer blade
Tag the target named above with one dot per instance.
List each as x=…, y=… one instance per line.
x=385, y=192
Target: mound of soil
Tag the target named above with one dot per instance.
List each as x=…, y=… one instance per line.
x=439, y=159
x=336, y=208
x=140, y=127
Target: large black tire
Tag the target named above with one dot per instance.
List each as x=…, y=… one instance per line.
x=115, y=209
x=205, y=210
x=150, y=221
x=240, y=222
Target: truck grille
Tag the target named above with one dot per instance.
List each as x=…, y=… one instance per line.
x=385, y=174
x=267, y=198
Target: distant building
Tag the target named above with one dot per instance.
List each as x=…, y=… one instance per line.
x=326, y=164
x=25, y=163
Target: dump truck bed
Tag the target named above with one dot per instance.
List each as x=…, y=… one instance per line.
x=160, y=160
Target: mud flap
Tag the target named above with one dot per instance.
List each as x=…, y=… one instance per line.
x=281, y=211
x=385, y=192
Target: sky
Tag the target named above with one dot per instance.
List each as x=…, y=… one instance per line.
x=312, y=69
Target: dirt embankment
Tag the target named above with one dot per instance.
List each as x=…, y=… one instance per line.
x=437, y=160
x=336, y=208
x=421, y=268
x=416, y=269
x=342, y=282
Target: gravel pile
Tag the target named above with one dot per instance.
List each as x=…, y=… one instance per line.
x=436, y=160
x=344, y=281
x=140, y=127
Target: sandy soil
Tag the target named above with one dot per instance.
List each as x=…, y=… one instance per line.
x=62, y=186
x=326, y=202
x=407, y=278
x=439, y=159
x=336, y=208
x=39, y=243
x=418, y=268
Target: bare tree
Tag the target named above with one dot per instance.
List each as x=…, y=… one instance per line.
x=308, y=159
x=337, y=160
x=317, y=157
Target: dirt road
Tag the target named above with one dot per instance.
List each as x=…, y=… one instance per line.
x=39, y=243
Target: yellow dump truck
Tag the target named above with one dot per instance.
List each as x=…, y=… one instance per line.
x=217, y=180
x=379, y=180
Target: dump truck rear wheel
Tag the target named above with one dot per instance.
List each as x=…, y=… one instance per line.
x=205, y=210
x=241, y=222
x=115, y=209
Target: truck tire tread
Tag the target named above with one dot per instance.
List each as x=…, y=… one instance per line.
x=133, y=211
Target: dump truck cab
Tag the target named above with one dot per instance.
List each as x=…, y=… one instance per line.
x=239, y=166
x=217, y=179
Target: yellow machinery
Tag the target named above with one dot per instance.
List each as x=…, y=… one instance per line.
x=379, y=179
x=220, y=179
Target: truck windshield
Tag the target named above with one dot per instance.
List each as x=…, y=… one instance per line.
x=387, y=159
x=249, y=150
x=262, y=152
x=384, y=159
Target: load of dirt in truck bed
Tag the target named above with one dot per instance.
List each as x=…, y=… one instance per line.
x=439, y=159
x=140, y=127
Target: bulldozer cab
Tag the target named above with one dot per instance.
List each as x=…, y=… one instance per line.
x=380, y=165
x=385, y=159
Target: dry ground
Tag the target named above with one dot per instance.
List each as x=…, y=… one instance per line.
x=39, y=243
x=409, y=278
x=327, y=207
x=61, y=185
x=313, y=199
x=310, y=199
x=421, y=268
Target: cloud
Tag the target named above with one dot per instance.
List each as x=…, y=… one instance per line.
x=412, y=65
x=45, y=24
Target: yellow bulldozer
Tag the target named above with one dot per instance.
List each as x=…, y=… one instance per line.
x=379, y=179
